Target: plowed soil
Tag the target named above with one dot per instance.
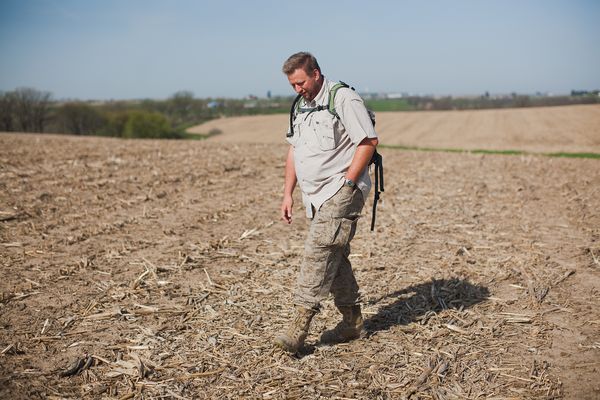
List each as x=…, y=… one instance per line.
x=158, y=269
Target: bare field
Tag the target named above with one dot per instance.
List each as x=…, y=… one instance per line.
x=159, y=269
x=543, y=129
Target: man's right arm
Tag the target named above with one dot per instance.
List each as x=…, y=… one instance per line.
x=288, y=188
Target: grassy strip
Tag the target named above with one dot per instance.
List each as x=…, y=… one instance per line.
x=574, y=155
x=200, y=136
x=389, y=105
x=484, y=151
x=194, y=136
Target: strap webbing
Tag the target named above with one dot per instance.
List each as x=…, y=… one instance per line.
x=377, y=160
x=332, y=93
x=310, y=110
x=292, y=114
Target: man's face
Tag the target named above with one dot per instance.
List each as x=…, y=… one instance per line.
x=307, y=85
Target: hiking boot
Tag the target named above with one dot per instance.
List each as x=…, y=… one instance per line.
x=293, y=338
x=349, y=329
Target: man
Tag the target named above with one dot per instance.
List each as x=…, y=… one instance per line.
x=328, y=157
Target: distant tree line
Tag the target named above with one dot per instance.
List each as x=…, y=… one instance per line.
x=31, y=110
x=24, y=110
x=514, y=100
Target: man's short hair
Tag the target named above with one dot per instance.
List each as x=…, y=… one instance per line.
x=303, y=60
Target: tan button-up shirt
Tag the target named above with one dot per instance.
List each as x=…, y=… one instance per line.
x=324, y=145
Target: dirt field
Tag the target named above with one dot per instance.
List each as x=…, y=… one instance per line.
x=159, y=269
x=545, y=129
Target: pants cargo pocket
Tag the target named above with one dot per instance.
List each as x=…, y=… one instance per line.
x=337, y=232
x=348, y=202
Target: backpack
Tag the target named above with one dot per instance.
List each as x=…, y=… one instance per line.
x=376, y=159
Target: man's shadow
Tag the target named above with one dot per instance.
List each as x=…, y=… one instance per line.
x=419, y=302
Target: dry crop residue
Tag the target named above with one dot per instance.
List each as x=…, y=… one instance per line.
x=153, y=269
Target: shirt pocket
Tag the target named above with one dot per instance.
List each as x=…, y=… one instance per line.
x=324, y=126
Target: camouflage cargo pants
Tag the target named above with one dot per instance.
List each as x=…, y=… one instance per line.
x=325, y=268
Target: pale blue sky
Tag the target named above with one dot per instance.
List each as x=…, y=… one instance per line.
x=102, y=49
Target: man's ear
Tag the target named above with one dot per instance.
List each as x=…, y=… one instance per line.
x=317, y=74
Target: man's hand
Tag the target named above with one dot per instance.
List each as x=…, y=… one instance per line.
x=286, y=209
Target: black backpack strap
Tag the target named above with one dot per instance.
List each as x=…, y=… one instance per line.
x=292, y=115
x=377, y=160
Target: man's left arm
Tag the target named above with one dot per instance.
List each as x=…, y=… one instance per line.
x=356, y=119
x=362, y=156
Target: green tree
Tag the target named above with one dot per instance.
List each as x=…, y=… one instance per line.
x=181, y=103
x=147, y=125
x=115, y=123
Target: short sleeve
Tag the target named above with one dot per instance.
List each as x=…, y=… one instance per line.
x=354, y=115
